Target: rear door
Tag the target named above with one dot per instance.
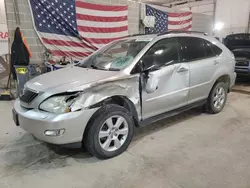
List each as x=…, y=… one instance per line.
x=202, y=63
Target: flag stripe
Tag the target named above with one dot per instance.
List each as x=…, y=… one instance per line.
x=101, y=13
x=60, y=37
x=102, y=24
x=102, y=30
x=70, y=54
x=103, y=35
x=67, y=48
x=101, y=40
x=182, y=28
x=100, y=18
x=179, y=18
x=76, y=28
x=100, y=7
x=179, y=22
x=174, y=14
x=66, y=43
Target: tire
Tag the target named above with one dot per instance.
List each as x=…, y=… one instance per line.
x=101, y=123
x=211, y=106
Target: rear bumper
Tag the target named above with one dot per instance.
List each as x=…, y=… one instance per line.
x=37, y=122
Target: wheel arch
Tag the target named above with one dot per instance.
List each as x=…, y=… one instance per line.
x=118, y=100
x=223, y=78
x=121, y=101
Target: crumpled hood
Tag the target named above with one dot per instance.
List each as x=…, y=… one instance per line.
x=67, y=79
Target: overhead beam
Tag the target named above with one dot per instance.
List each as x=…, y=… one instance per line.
x=175, y=3
x=196, y=3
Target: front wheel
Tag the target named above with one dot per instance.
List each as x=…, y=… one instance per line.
x=217, y=98
x=109, y=132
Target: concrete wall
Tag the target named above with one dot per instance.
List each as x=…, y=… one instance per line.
x=27, y=28
x=234, y=14
x=200, y=22
x=202, y=7
x=2, y=13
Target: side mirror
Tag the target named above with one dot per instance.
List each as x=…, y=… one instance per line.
x=146, y=64
x=152, y=83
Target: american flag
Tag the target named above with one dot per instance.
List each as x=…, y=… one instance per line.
x=74, y=28
x=168, y=20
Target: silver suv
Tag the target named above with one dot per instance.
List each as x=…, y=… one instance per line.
x=129, y=83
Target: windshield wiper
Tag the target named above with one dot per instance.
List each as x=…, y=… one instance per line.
x=96, y=67
x=113, y=69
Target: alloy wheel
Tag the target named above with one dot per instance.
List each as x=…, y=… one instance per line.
x=219, y=97
x=113, y=133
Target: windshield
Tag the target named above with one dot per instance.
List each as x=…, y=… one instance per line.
x=117, y=57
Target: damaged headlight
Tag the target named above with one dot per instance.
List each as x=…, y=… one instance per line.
x=59, y=104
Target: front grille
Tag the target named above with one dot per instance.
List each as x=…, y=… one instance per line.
x=28, y=96
x=242, y=63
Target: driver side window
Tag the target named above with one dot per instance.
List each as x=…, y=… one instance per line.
x=162, y=53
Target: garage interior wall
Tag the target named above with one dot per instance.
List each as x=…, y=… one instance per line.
x=37, y=48
x=235, y=14
x=2, y=13
x=27, y=28
x=200, y=22
x=202, y=7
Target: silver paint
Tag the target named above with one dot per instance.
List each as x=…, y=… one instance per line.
x=169, y=88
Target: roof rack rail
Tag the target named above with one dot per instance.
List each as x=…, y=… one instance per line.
x=133, y=35
x=139, y=34
x=181, y=31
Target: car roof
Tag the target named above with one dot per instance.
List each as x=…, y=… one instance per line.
x=169, y=34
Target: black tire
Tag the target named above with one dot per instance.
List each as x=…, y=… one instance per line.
x=91, y=135
x=210, y=106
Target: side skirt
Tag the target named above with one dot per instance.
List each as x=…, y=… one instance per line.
x=171, y=113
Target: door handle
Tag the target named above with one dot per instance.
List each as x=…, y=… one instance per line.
x=216, y=62
x=182, y=69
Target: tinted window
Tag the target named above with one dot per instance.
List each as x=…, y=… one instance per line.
x=163, y=53
x=216, y=49
x=208, y=49
x=192, y=48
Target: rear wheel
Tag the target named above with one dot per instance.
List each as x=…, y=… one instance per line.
x=217, y=98
x=110, y=132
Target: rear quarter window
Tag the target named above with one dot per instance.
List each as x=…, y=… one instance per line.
x=216, y=49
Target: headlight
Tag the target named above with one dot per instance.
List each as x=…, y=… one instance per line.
x=58, y=104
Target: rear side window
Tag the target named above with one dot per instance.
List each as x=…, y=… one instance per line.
x=192, y=49
x=216, y=49
x=208, y=49
x=196, y=48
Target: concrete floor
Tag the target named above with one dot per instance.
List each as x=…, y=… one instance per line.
x=187, y=151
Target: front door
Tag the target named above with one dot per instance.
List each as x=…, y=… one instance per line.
x=166, y=85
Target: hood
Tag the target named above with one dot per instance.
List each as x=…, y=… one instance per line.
x=236, y=41
x=242, y=52
x=68, y=79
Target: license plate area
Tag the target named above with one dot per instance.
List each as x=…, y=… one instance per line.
x=15, y=117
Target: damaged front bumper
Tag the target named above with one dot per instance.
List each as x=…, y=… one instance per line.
x=53, y=128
